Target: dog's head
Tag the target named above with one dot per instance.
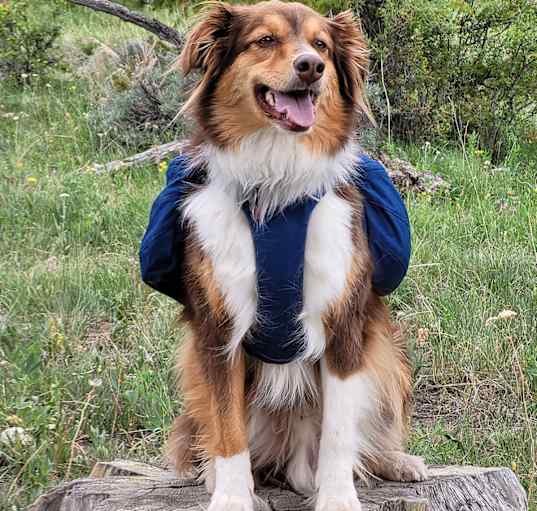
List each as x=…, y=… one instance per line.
x=277, y=65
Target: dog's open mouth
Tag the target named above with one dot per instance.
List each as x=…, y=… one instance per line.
x=293, y=110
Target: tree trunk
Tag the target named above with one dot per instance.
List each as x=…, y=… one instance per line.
x=129, y=486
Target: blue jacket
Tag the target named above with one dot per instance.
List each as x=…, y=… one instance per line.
x=385, y=220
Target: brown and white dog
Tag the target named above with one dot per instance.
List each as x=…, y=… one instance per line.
x=281, y=91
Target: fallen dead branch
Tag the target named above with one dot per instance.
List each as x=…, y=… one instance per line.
x=154, y=155
x=156, y=27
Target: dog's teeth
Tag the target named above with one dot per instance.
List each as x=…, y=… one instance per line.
x=270, y=99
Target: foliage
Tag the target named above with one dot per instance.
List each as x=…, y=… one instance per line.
x=457, y=67
x=28, y=33
x=139, y=101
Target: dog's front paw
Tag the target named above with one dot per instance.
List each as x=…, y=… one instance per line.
x=400, y=466
x=346, y=500
x=224, y=502
x=413, y=468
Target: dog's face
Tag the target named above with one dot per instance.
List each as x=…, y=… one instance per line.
x=277, y=65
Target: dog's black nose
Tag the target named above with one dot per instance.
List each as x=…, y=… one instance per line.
x=309, y=67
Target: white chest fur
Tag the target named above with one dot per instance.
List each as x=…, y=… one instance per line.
x=328, y=261
x=223, y=230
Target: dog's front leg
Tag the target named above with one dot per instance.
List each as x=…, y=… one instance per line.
x=344, y=398
x=227, y=439
x=214, y=387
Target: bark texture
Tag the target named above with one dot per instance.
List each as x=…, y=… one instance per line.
x=130, y=486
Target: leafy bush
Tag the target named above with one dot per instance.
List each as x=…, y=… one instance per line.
x=27, y=36
x=457, y=67
x=139, y=100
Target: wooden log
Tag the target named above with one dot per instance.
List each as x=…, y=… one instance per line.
x=129, y=486
x=128, y=468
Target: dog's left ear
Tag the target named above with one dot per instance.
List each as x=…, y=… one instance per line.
x=351, y=58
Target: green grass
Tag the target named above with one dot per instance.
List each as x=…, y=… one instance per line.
x=72, y=306
x=475, y=255
x=86, y=350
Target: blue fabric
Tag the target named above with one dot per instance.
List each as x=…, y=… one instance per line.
x=277, y=338
x=386, y=224
x=279, y=255
x=161, y=250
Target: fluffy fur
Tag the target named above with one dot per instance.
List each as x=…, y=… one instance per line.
x=342, y=407
x=273, y=170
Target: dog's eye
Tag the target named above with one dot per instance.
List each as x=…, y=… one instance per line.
x=321, y=45
x=266, y=41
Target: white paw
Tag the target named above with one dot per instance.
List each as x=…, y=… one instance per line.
x=232, y=482
x=406, y=468
x=223, y=502
x=413, y=468
x=345, y=500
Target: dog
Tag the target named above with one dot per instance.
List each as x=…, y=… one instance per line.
x=278, y=103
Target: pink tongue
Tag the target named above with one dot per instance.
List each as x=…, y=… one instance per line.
x=299, y=109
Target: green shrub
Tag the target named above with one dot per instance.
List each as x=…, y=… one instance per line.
x=453, y=67
x=28, y=33
x=138, y=102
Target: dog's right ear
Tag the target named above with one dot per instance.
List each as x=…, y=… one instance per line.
x=209, y=43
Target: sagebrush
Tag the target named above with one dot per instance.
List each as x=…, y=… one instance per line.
x=139, y=97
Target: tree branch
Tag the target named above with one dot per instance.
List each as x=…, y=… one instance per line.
x=154, y=26
x=153, y=155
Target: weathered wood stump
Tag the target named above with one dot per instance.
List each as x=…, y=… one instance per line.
x=130, y=486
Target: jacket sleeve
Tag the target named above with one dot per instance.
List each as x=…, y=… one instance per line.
x=386, y=224
x=162, y=247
